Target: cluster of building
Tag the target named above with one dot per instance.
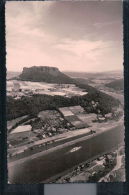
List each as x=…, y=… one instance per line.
x=47, y=124
x=85, y=171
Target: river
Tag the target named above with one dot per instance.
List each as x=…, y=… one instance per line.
x=45, y=165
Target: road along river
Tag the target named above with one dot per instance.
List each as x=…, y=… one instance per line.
x=44, y=165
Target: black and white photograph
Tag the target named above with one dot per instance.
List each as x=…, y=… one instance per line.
x=65, y=92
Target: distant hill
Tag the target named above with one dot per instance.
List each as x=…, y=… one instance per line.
x=117, y=84
x=96, y=75
x=84, y=81
x=44, y=74
x=51, y=75
x=11, y=74
x=37, y=103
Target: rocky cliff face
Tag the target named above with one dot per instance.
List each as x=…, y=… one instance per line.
x=38, y=69
x=44, y=74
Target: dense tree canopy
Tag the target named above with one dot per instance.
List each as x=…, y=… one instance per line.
x=34, y=104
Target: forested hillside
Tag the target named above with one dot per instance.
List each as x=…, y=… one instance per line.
x=117, y=84
x=36, y=103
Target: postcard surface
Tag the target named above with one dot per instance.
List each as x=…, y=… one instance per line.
x=65, y=92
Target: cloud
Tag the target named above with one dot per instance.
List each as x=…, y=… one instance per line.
x=78, y=19
x=83, y=36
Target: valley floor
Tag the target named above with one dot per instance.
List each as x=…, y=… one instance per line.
x=65, y=129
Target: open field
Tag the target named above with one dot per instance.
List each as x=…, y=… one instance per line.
x=24, y=88
x=97, y=80
x=14, y=122
x=64, y=127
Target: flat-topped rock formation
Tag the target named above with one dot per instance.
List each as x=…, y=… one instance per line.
x=44, y=74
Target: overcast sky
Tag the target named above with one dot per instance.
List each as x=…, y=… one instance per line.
x=73, y=36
